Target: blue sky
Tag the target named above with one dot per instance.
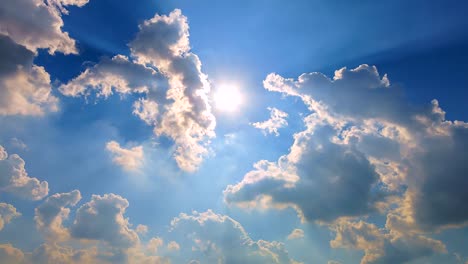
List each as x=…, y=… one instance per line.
x=233, y=132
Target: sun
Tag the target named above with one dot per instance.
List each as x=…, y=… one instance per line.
x=228, y=98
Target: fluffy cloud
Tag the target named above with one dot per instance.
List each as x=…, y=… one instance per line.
x=118, y=74
x=14, y=178
x=154, y=244
x=385, y=148
x=10, y=254
x=277, y=120
x=130, y=159
x=322, y=180
x=7, y=213
x=174, y=97
x=24, y=87
x=163, y=41
x=50, y=214
x=392, y=247
x=218, y=238
x=103, y=219
x=296, y=234
x=173, y=246
x=37, y=24
x=141, y=229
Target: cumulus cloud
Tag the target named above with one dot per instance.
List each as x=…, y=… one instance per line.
x=37, y=24
x=130, y=159
x=24, y=87
x=154, y=244
x=163, y=41
x=277, y=120
x=103, y=219
x=10, y=254
x=173, y=246
x=118, y=74
x=296, y=234
x=169, y=77
x=7, y=213
x=404, y=159
x=381, y=247
x=320, y=179
x=50, y=214
x=15, y=180
x=141, y=229
x=218, y=238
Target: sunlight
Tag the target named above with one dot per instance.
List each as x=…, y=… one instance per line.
x=227, y=98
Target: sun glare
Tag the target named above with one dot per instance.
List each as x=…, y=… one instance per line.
x=227, y=98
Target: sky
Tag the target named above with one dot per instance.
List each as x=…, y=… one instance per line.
x=233, y=131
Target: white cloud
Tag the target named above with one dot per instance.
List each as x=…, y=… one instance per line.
x=173, y=246
x=296, y=234
x=130, y=159
x=218, y=238
x=163, y=41
x=24, y=87
x=141, y=229
x=404, y=159
x=320, y=179
x=7, y=213
x=174, y=97
x=103, y=219
x=10, y=254
x=50, y=215
x=15, y=180
x=154, y=244
x=118, y=74
x=37, y=24
x=277, y=120
x=390, y=247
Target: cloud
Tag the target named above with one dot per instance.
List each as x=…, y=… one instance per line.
x=7, y=213
x=173, y=246
x=37, y=24
x=10, y=254
x=24, y=87
x=405, y=159
x=391, y=247
x=141, y=229
x=277, y=120
x=154, y=244
x=296, y=234
x=50, y=215
x=163, y=41
x=174, y=89
x=15, y=180
x=103, y=219
x=320, y=179
x=130, y=159
x=118, y=74
x=218, y=238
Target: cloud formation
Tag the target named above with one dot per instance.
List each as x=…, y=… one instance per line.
x=169, y=77
x=216, y=238
x=296, y=234
x=163, y=41
x=391, y=247
x=7, y=213
x=15, y=180
x=103, y=219
x=24, y=87
x=277, y=120
x=384, y=156
x=130, y=159
x=50, y=215
x=37, y=24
